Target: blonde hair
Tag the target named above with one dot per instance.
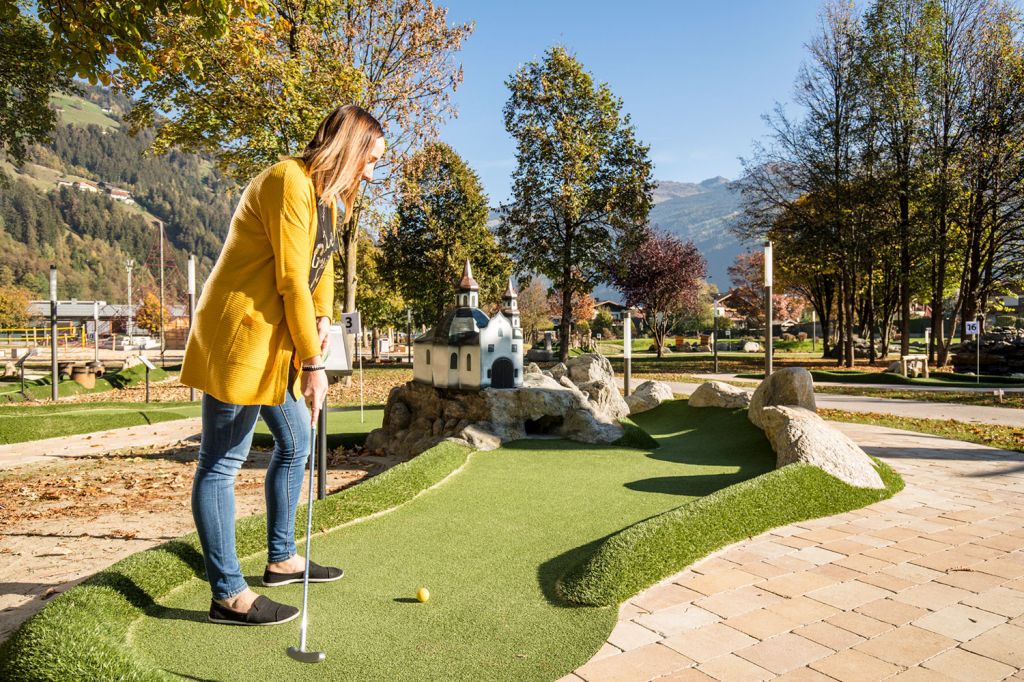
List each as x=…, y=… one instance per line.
x=339, y=150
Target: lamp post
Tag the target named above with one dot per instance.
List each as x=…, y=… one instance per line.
x=627, y=349
x=53, y=331
x=96, y=330
x=768, y=309
x=408, y=333
x=191, y=306
x=129, y=265
x=714, y=332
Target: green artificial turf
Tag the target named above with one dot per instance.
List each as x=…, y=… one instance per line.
x=344, y=427
x=493, y=544
x=653, y=549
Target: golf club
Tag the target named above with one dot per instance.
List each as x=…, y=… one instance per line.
x=300, y=654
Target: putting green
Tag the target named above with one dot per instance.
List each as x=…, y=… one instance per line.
x=490, y=543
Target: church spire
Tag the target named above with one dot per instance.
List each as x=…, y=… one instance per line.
x=468, y=283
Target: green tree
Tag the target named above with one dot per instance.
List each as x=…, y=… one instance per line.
x=582, y=186
x=441, y=220
x=14, y=306
x=29, y=72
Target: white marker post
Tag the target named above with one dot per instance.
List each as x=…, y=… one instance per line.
x=191, y=306
x=627, y=349
x=350, y=323
x=973, y=327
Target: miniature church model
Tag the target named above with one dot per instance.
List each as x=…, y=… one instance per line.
x=470, y=350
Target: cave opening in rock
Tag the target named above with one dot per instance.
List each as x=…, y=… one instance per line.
x=544, y=426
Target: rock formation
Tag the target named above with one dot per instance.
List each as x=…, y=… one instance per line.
x=648, y=395
x=789, y=386
x=718, y=394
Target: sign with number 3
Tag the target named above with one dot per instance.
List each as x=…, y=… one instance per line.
x=350, y=322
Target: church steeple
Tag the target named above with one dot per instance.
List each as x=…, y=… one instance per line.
x=468, y=294
x=510, y=304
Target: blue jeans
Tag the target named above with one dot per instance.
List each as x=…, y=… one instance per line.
x=227, y=435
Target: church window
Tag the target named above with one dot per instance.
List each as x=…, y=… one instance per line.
x=514, y=348
x=469, y=362
x=490, y=348
x=428, y=356
x=501, y=332
x=517, y=373
x=454, y=364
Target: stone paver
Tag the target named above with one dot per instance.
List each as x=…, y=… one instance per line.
x=928, y=585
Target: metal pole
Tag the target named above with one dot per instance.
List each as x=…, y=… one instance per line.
x=129, y=264
x=768, y=309
x=163, y=344
x=321, y=456
x=977, y=343
x=408, y=333
x=147, y=383
x=53, y=331
x=627, y=349
x=714, y=333
x=96, y=329
x=191, y=306
x=814, y=331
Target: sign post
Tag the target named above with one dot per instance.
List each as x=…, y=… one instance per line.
x=96, y=329
x=21, y=366
x=973, y=327
x=627, y=349
x=351, y=324
x=149, y=365
x=714, y=332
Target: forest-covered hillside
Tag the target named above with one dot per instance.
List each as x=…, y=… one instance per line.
x=88, y=235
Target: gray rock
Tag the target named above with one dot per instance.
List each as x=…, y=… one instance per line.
x=479, y=438
x=894, y=367
x=532, y=368
x=648, y=395
x=558, y=371
x=589, y=367
x=718, y=394
x=605, y=397
x=751, y=347
x=799, y=435
x=790, y=386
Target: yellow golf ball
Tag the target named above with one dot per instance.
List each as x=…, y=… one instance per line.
x=423, y=595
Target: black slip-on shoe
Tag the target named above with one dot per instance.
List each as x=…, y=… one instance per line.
x=263, y=611
x=317, y=574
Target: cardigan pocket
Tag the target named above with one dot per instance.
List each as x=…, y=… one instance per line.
x=253, y=344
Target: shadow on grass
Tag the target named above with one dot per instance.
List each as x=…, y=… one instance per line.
x=689, y=486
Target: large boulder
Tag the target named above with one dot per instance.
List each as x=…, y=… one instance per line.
x=799, y=435
x=648, y=395
x=751, y=347
x=558, y=371
x=790, y=386
x=589, y=367
x=718, y=394
x=604, y=395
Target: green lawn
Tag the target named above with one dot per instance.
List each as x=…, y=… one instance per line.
x=21, y=424
x=490, y=545
x=40, y=389
x=852, y=376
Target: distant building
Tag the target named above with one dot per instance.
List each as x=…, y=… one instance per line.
x=118, y=194
x=85, y=187
x=470, y=350
x=616, y=310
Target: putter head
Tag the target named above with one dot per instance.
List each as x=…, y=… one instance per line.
x=306, y=656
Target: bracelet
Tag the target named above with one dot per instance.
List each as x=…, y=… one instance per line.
x=313, y=368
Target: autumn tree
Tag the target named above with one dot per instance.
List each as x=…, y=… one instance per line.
x=582, y=308
x=148, y=315
x=581, y=190
x=258, y=91
x=440, y=221
x=379, y=302
x=14, y=303
x=663, y=275
x=534, y=311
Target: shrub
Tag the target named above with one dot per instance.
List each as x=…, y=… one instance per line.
x=788, y=337
x=802, y=336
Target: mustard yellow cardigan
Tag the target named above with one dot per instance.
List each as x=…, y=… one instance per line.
x=256, y=307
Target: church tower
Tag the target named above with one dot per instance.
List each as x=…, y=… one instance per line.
x=510, y=304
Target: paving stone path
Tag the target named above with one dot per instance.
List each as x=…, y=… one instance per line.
x=928, y=585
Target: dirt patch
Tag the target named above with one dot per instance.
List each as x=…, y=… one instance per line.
x=64, y=521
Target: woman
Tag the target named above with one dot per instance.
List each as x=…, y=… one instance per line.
x=255, y=350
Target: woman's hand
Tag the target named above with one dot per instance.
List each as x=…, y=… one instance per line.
x=323, y=328
x=314, y=387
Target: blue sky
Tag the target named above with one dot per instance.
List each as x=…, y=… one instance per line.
x=695, y=76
